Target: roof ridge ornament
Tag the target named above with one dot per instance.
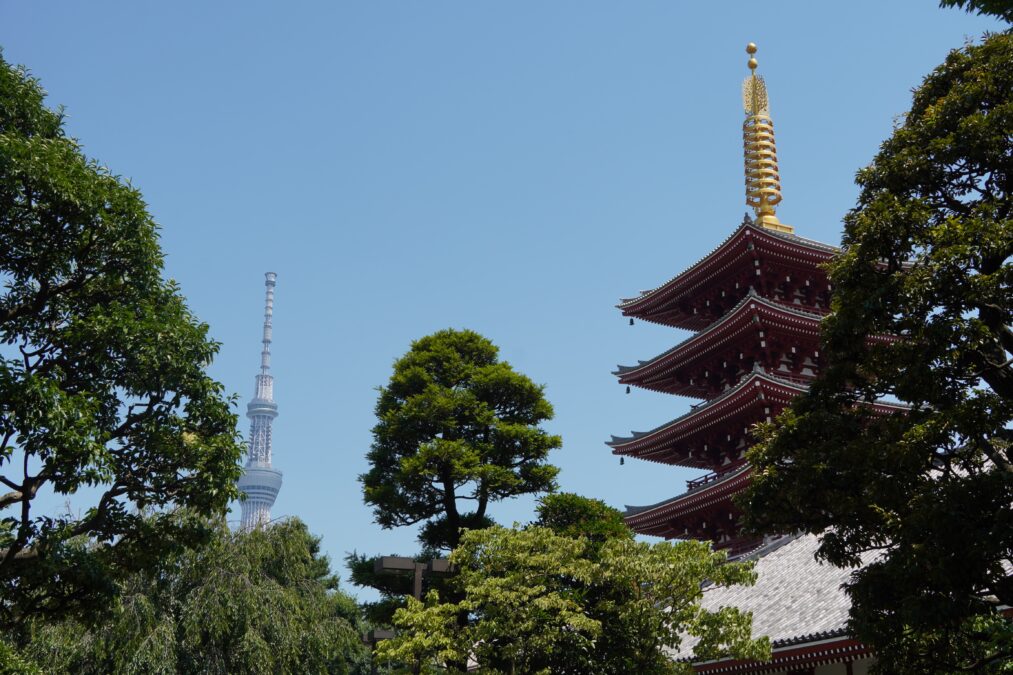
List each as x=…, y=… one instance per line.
x=763, y=179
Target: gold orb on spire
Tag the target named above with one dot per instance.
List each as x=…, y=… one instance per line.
x=763, y=180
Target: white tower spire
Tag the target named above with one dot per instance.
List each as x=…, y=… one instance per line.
x=260, y=481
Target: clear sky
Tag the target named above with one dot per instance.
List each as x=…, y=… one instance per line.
x=510, y=167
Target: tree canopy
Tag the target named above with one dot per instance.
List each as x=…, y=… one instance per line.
x=102, y=373
x=455, y=425
x=457, y=429
x=1002, y=9
x=585, y=598
x=926, y=260
x=263, y=601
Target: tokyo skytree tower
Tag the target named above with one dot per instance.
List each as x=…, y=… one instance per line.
x=260, y=481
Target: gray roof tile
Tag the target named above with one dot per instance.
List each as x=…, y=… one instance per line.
x=794, y=596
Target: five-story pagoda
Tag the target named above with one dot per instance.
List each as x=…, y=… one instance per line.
x=755, y=302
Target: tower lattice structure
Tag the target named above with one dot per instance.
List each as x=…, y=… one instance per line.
x=260, y=481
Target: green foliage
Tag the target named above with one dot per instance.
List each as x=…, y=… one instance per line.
x=13, y=663
x=535, y=601
x=102, y=374
x=258, y=602
x=455, y=423
x=571, y=515
x=1002, y=9
x=927, y=258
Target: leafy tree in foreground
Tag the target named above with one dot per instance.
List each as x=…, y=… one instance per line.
x=102, y=374
x=927, y=258
x=1002, y=9
x=457, y=430
x=630, y=641
x=541, y=602
x=263, y=601
x=13, y=663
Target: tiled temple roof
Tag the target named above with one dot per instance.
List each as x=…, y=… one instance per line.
x=795, y=600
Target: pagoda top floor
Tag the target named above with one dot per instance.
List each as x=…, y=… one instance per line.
x=777, y=265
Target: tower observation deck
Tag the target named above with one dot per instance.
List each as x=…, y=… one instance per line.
x=260, y=481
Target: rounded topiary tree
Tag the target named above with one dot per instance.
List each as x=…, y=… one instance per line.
x=457, y=430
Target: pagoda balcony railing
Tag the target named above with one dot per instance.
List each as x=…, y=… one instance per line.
x=712, y=477
x=796, y=378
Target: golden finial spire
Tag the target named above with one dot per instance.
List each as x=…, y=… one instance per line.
x=763, y=181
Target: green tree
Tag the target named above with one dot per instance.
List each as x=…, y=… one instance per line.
x=102, y=374
x=263, y=601
x=927, y=259
x=13, y=663
x=457, y=429
x=455, y=424
x=1002, y=9
x=629, y=641
x=540, y=602
x=571, y=515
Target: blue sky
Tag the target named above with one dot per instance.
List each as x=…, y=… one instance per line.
x=510, y=167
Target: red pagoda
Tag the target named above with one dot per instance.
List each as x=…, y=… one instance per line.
x=755, y=302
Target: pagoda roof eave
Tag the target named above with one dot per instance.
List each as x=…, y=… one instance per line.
x=691, y=277
x=654, y=518
x=803, y=241
x=743, y=307
x=647, y=444
x=631, y=511
x=628, y=303
x=695, y=418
